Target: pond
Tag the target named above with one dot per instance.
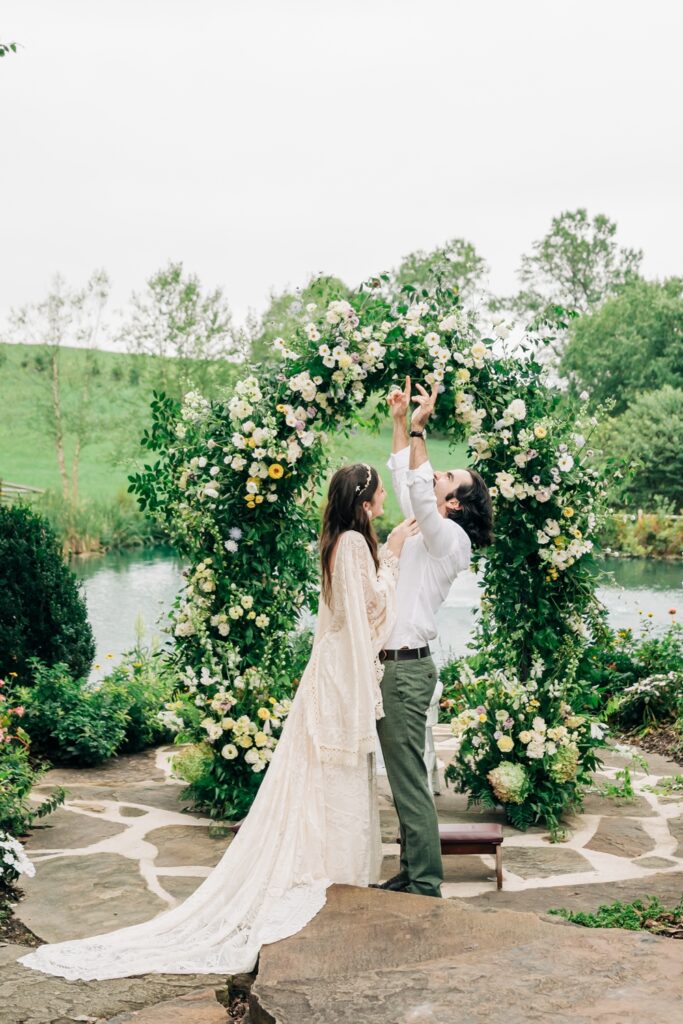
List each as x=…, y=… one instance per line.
x=131, y=593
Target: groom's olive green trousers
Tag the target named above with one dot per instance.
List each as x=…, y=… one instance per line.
x=407, y=690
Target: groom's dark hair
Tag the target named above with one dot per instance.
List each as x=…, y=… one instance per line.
x=475, y=514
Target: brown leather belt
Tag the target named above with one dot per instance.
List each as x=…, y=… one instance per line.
x=405, y=654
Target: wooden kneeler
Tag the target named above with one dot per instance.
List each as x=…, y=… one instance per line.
x=484, y=838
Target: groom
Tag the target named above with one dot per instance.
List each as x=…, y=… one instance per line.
x=453, y=511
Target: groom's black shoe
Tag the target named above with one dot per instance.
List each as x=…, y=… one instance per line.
x=399, y=883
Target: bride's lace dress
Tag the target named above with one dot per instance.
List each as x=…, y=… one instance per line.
x=314, y=820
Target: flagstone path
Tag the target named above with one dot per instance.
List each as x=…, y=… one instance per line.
x=125, y=847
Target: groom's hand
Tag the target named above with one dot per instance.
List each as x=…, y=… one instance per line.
x=425, y=403
x=399, y=401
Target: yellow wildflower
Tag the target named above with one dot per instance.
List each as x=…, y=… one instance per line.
x=276, y=471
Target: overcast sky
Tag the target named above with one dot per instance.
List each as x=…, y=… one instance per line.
x=263, y=141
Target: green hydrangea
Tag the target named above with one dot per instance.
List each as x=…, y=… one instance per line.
x=509, y=782
x=565, y=764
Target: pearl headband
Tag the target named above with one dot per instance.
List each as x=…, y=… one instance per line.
x=363, y=487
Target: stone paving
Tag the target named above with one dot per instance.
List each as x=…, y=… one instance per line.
x=125, y=847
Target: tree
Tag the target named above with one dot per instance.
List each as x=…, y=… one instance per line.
x=188, y=330
x=632, y=343
x=456, y=264
x=576, y=265
x=649, y=435
x=42, y=611
x=66, y=317
x=287, y=311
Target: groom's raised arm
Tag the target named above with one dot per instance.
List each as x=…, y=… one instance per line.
x=399, y=402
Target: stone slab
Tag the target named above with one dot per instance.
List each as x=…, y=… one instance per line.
x=655, y=862
x=68, y=830
x=198, y=1007
x=97, y=893
x=637, y=808
x=187, y=844
x=393, y=958
x=586, y=897
x=180, y=886
x=622, y=837
x=29, y=997
x=676, y=830
x=543, y=861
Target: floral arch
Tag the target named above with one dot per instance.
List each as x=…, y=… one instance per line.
x=236, y=481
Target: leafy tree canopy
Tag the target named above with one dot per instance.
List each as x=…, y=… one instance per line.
x=456, y=265
x=649, y=435
x=577, y=264
x=633, y=343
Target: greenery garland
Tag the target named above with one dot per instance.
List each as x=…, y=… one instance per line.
x=236, y=482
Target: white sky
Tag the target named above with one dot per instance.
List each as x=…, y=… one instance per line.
x=262, y=141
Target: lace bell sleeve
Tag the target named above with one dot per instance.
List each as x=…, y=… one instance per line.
x=379, y=593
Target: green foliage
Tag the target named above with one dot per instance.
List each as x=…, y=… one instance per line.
x=577, y=264
x=148, y=680
x=622, y=658
x=18, y=776
x=456, y=265
x=71, y=721
x=6, y=48
x=42, y=612
x=648, y=914
x=632, y=343
x=94, y=526
x=648, y=436
x=187, y=329
x=645, y=535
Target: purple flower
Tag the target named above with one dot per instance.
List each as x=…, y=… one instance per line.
x=355, y=358
x=300, y=425
x=497, y=735
x=508, y=723
x=311, y=412
x=481, y=710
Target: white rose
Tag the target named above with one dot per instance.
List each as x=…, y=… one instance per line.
x=517, y=409
x=229, y=752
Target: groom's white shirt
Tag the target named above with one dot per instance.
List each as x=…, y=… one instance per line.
x=429, y=562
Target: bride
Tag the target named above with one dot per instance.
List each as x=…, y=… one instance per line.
x=315, y=819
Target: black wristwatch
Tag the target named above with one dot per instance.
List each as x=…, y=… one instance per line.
x=418, y=433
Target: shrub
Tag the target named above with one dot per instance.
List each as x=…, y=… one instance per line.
x=17, y=778
x=655, y=534
x=70, y=722
x=648, y=913
x=42, y=612
x=149, y=681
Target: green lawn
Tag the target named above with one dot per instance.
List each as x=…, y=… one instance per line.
x=27, y=453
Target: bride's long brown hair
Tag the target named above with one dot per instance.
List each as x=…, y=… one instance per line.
x=349, y=488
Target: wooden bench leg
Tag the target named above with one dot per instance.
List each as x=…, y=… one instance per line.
x=499, y=867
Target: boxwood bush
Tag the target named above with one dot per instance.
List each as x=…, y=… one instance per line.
x=42, y=611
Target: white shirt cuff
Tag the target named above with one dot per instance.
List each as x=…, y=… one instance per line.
x=399, y=460
x=423, y=472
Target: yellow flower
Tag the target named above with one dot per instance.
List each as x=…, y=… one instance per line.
x=272, y=700
x=482, y=718
x=463, y=374
x=280, y=407
x=559, y=542
x=263, y=713
x=260, y=739
x=568, y=512
x=250, y=504
x=251, y=443
x=539, y=431
x=98, y=666
x=505, y=744
x=258, y=499
x=275, y=471
x=110, y=656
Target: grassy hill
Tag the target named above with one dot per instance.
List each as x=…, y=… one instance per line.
x=124, y=385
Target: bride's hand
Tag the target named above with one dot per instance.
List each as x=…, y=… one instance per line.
x=400, y=534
